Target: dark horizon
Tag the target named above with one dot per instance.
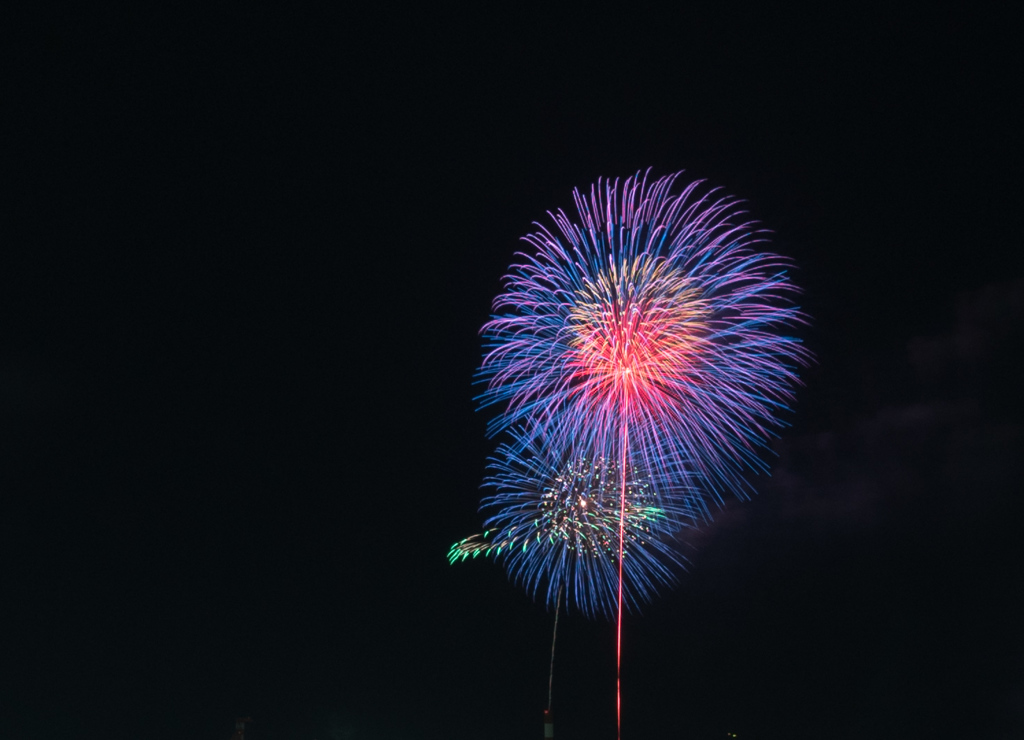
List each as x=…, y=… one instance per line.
x=247, y=259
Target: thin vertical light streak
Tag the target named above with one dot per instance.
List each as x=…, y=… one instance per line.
x=554, y=636
x=622, y=522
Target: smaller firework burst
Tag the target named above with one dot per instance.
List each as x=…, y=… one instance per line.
x=555, y=522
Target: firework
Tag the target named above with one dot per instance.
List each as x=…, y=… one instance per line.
x=650, y=340
x=554, y=522
x=650, y=324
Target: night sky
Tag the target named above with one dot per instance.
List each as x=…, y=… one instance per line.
x=245, y=261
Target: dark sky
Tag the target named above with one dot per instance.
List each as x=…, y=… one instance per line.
x=245, y=261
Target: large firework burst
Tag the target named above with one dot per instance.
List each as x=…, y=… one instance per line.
x=652, y=324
